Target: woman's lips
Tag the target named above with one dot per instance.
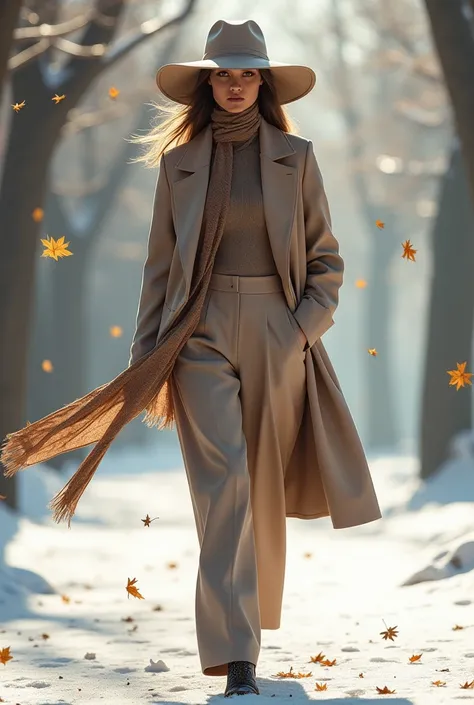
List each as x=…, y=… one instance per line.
x=236, y=99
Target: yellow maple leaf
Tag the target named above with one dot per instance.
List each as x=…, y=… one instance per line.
x=380, y=224
x=321, y=686
x=172, y=565
x=115, y=331
x=132, y=590
x=408, y=251
x=326, y=662
x=18, y=106
x=438, y=683
x=459, y=377
x=456, y=627
x=113, y=92
x=55, y=248
x=361, y=283
x=373, y=352
x=58, y=98
x=5, y=655
x=65, y=599
x=37, y=215
x=47, y=365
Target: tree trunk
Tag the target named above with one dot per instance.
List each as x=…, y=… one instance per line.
x=9, y=14
x=454, y=40
x=444, y=410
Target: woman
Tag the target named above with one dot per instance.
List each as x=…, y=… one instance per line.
x=240, y=283
x=239, y=383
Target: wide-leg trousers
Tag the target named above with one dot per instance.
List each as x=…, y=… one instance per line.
x=239, y=387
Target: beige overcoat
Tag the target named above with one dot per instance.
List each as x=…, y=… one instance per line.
x=328, y=473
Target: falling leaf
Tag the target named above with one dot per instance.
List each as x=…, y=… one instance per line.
x=390, y=633
x=321, y=686
x=65, y=599
x=115, y=331
x=380, y=224
x=171, y=565
x=408, y=251
x=361, y=283
x=47, y=365
x=456, y=627
x=328, y=663
x=317, y=659
x=385, y=690
x=45, y=636
x=55, y=248
x=132, y=590
x=467, y=685
x=308, y=554
x=37, y=215
x=113, y=92
x=18, y=106
x=5, y=655
x=414, y=658
x=459, y=377
x=439, y=683
x=290, y=674
x=373, y=352
x=361, y=675
x=58, y=98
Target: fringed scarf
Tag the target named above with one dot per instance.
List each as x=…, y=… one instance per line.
x=98, y=416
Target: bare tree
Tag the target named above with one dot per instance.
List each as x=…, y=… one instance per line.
x=26, y=171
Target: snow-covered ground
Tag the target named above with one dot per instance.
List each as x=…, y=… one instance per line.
x=75, y=636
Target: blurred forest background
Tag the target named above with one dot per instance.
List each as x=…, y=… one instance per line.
x=391, y=119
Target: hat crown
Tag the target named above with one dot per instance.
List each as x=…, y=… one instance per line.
x=235, y=37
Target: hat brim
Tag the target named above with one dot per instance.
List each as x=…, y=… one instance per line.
x=177, y=81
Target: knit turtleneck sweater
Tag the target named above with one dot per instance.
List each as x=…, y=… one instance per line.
x=245, y=247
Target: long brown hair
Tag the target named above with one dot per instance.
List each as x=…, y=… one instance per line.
x=186, y=121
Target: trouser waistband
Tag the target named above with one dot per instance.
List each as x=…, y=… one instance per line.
x=246, y=285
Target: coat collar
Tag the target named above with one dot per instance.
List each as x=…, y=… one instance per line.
x=274, y=144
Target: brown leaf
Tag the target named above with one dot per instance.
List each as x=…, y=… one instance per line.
x=317, y=659
x=408, y=251
x=132, y=590
x=390, y=633
x=385, y=690
x=321, y=686
x=414, y=658
x=5, y=655
x=467, y=685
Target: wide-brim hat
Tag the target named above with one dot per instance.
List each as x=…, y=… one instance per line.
x=238, y=44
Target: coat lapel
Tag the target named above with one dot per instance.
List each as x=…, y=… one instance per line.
x=279, y=190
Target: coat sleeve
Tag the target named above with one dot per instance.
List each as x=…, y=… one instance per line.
x=325, y=267
x=161, y=243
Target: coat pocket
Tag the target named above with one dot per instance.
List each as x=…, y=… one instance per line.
x=297, y=332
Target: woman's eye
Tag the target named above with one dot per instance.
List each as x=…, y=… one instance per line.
x=219, y=73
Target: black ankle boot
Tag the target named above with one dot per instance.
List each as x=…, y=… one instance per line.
x=241, y=679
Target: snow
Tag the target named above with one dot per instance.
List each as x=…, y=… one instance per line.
x=413, y=570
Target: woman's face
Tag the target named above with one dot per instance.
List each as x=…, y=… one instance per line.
x=228, y=83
